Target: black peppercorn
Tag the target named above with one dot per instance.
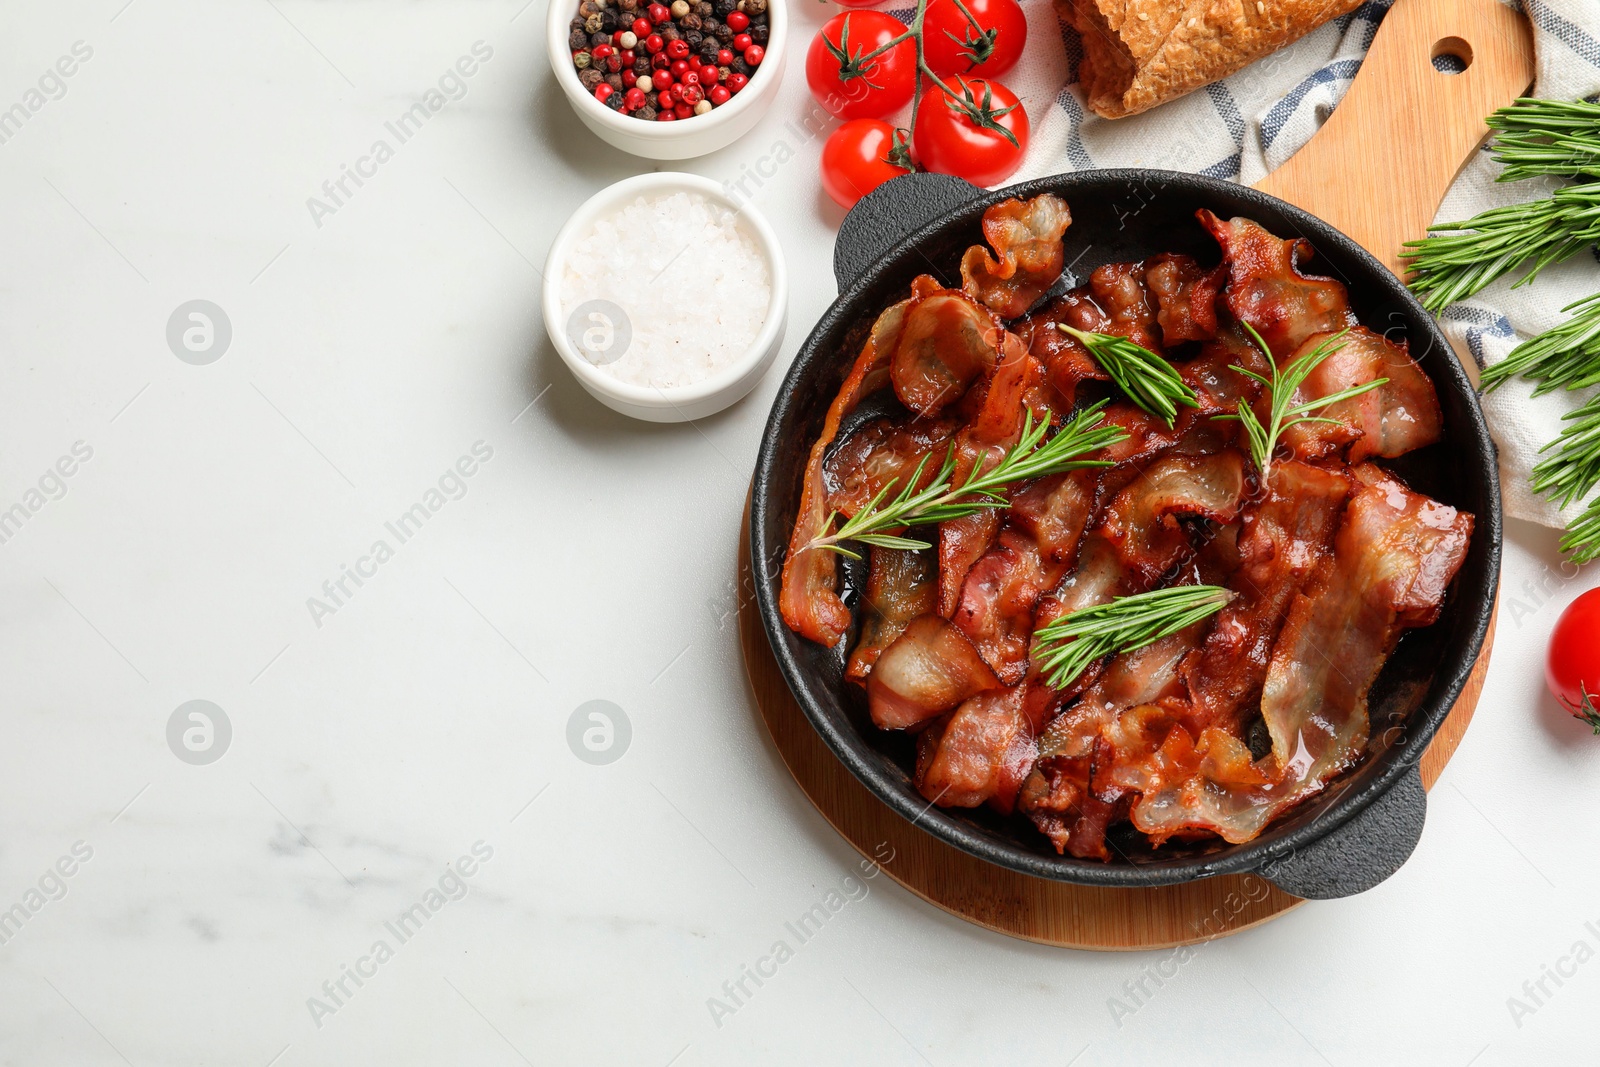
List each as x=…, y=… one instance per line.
x=588, y=7
x=709, y=47
x=608, y=21
x=753, y=7
x=647, y=113
x=590, y=78
x=578, y=41
x=758, y=20
x=614, y=101
x=615, y=81
x=723, y=8
x=724, y=32
x=641, y=65
x=709, y=25
x=628, y=5
x=669, y=31
x=576, y=23
x=691, y=21
x=739, y=66
x=759, y=34
x=693, y=38
x=597, y=39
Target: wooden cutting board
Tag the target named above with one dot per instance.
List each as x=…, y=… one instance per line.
x=1377, y=170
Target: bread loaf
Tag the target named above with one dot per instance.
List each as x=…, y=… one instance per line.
x=1140, y=53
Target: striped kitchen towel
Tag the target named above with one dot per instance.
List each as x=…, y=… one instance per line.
x=1242, y=127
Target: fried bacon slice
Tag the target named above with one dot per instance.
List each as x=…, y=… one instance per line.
x=883, y=452
x=1054, y=511
x=1285, y=539
x=948, y=342
x=808, y=598
x=1394, y=556
x=1186, y=297
x=1142, y=522
x=929, y=669
x=1026, y=238
x=901, y=586
x=1266, y=289
x=978, y=754
x=997, y=602
x=1391, y=420
x=1129, y=305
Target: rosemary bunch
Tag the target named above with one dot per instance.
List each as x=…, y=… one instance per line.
x=1557, y=137
x=1574, y=470
x=942, y=501
x=1281, y=387
x=1149, y=380
x=1459, y=258
x=1070, y=644
x=1566, y=356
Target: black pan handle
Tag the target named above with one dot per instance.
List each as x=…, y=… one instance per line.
x=882, y=219
x=1361, y=853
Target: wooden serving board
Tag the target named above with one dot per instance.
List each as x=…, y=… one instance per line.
x=1377, y=170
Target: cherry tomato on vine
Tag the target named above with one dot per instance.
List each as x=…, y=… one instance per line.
x=1572, y=665
x=953, y=46
x=855, y=160
x=850, y=88
x=980, y=133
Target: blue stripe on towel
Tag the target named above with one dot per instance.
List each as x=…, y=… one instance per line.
x=1227, y=168
x=1222, y=99
x=1480, y=322
x=1565, y=32
x=1283, y=110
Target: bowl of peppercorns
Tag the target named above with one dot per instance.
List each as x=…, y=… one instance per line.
x=668, y=80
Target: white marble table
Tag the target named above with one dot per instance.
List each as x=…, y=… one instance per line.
x=214, y=912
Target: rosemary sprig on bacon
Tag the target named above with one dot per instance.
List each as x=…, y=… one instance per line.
x=1150, y=381
x=880, y=520
x=1281, y=388
x=1073, y=642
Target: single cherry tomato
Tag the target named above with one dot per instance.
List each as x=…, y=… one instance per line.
x=953, y=46
x=1572, y=665
x=855, y=160
x=848, y=86
x=980, y=134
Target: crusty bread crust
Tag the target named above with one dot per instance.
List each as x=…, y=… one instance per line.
x=1140, y=53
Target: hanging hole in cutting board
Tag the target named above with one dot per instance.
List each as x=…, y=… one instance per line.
x=1451, y=55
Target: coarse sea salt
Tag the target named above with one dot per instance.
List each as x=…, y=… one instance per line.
x=687, y=280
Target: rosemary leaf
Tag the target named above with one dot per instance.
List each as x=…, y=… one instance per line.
x=1556, y=137
x=1070, y=644
x=1583, y=536
x=1148, y=379
x=1574, y=470
x=1566, y=356
x=1459, y=258
x=1281, y=387
x=942, y=501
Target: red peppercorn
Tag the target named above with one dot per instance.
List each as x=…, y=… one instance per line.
x=661, y=79
x=602, y=91
x=679, y=68
x=653, y=43
x=660, y=61
x=683, y=111
x=665, y=115
x=719, y=95
x=708, y=76
x=754, y=55
x=675, y=94
x=690, y=78
x=642, y=28
x=627, y=57
x=738, y=21
x=737, y=81
x=678, y=49
x=601, y=51
x=724, y=56
x=664, y=100
x=658, y=13
x=743, y=41
x=634, y=99
x=693, y=94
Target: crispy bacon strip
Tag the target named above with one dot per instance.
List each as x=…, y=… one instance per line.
x=948, y=342
x=979, y=754
x=1129, y=305
x=1266, y=289
x=997, y=602
x=1186, y=297
x=1286, y=538
x=929, y=669
x=881, y=452
x=1395, y=554
x=1142, y=522
x=1391, y=420
x=1026, y=238
x=808, y=598
x=901, y=585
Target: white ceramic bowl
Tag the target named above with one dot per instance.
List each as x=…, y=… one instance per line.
x=669, y=140
x=673, y=403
